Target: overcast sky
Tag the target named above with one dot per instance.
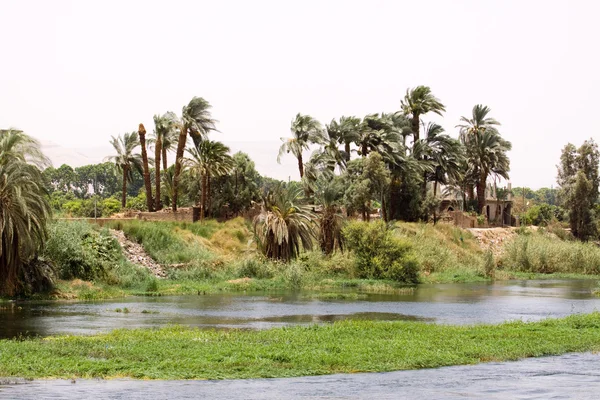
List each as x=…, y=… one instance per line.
x=76, y=72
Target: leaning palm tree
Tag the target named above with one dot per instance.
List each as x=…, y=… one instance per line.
x=209, y=159
x=485, y=149
x=196, y=122
x=147, y=182
x=125, y=160
x=24, y=209
x=284, y=225
x=164, y=131
x=419, y=101
x=305, y=130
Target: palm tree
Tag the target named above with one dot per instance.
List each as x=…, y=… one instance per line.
x=283, y=225
x=305, y=130
x=377, y=133
x=329, y=194
x=485, y=149
x=147, y=183
x=125, y=160
x=443, y=154
x=345, y=132
x=208, y=159
x=164, y=131
x=24, y=208
x=419, y=101
x=196, y=122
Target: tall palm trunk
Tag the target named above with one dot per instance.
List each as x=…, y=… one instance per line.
x=147, y=182
x=300, y=165
x=208, y=196
x=203, y=201
x=414, y=124
x=481, y=192
x=164, y=158
x=124, y=194
x=178, y=162
x=157, y=154
x=364, y=150
x=347, y=150
x=434, y=196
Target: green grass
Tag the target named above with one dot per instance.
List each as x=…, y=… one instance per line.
x=342, y=347
x=544, y=253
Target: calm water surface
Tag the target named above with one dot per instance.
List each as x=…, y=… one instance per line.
x=572, y=376
x=444, y=303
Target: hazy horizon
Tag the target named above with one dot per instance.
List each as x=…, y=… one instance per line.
x=76, y=73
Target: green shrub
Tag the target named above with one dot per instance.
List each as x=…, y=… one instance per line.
x=378, y=254
x=253, y=268
x=80, y=251
x=110, y=206
x=489, y=264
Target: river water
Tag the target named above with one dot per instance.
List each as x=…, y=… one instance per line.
x=570, y=376
x=442, y=303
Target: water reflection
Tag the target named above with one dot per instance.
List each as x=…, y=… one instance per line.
x=445, y=303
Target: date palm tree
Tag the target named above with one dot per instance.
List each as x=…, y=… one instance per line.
x=24, y=209
x=485, y=149
x=125, y=160
x=164, y=132
x=209, y=159
x=147, y=182
x=420, y=101
x=329, y=194
x=305, y=130
x=284, y=225
x=196, y=122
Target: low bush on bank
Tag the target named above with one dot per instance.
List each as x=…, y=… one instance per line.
x=379, y=254
x=79, y=250
x=544, y=253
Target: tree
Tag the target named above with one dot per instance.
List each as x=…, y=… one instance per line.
x=196, y=122
x=164, y=133
x=24, y=210
x=367, y=179
x=345, y=132
x=305, y=130
x=125, y=160
x=420, y=101
x=235, y=192
x=147, y=183
x=208, y=159
x=579, y=180
x=329, y=195
x=485, y=149
x=284, y=225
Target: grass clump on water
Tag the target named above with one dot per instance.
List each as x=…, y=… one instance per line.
x=341, y=347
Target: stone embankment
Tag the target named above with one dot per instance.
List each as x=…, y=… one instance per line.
x=136, y=254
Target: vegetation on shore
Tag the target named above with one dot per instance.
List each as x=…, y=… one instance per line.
x=341, y=347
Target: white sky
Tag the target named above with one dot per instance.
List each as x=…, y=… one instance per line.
x=75, y=73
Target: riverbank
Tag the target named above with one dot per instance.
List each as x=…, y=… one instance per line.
x=342, y=347
x=214, y=257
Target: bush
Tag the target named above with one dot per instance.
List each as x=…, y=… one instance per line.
x=79, y=251
x=110, y=206
x=380, y=255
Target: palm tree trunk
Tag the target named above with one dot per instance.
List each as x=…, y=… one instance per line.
x=383, y=209
x=147, y=182
x=414, y=124
x=300, y=165
x=178, y=165
x=347, y=150
x=203, y=201
x=434, y=196
x=481, y=192
x=157, y=154
x=208, y=196
x=364, y=150
x=164, y=158
x=124, y=194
